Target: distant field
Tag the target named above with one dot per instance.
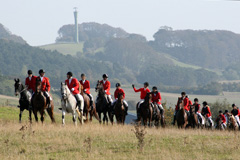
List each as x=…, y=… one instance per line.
x=65, y=48
x=99, y=142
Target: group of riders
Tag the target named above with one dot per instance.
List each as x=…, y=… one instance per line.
x=74, y=84
x=205, y=113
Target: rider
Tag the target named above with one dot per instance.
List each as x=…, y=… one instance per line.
x=30, y=82
x=197, y=109
x=222, y=117
x=226, y=115
x=45, y=86
x=118, y=91
x=185, y=102
x=206, y=112
x=156, y=98
x=189, y=103
x=106, y=87
x=143, y=94
x=73, y=86
x=86, y=88
x=235, y=111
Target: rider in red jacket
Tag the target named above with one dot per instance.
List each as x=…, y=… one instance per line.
x=222, y=117
x=86, y=88
x=156, y=98
x=45, y=86
x=30, y=82
x=143, y=94
x=73, y=86
x=106, y=86
x=118, y=91
x=185, y=103
x=207, y=112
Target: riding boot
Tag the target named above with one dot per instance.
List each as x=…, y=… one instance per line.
x=174, y=119
x=113, y=108
x=91, y=104
x=126, y=110
x=162, y=112
x=48, y=102
x=79, y=106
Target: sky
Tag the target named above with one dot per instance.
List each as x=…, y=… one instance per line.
x=38, y=21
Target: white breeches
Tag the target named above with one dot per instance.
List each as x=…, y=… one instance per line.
x=79, y=97
x=200, y=115
x=237, y=119
x=140, y=102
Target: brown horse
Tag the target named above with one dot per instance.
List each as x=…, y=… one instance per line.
x=158, y=117
x=182, y=119
x=39, y=103
x=87, y=108
x=192, y=120
x=146, y=111
x=232, y=123
x=120, y=110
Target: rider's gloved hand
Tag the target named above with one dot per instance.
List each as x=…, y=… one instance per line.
x=133, y=86
x=72, y=89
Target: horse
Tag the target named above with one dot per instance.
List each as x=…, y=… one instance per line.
x=120, y=110
x=192, y=120
x=208, y=124
x=39, y=103
x=87, y=108
x=219, y=124
x=156, y=115
x=146, y=111
x=232, y=123
x=102, y=105
x=24, y=99
x=182, y=118
x=69, y=105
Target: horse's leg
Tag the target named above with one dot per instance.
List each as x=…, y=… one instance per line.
x=35, y=115
x=86, y=116
x=95, y=114
x=42, y=116
x=30, y=115
x=20, y=114
x=63, y=117
x=50, y=113
x=74, y=118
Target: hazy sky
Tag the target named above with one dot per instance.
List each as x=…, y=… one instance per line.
x=38, y=21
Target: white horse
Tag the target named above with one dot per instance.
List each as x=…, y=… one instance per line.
x=69, y=105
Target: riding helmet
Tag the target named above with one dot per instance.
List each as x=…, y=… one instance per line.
x=233, y=105
x=70, y=74
x=146, y=83
x=105, y=75
x=154, y=88
x=183, y=93
x=83, y=75
x=29, y=72
x=226, y=111
x=118, y=84
x=205, y=103
x=41, y=71
x=220, y=111
x=195, y=99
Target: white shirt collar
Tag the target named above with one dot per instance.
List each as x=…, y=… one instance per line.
x=41, y=78
x=104, y=81
x=83, y=81
x=30, y=78
x=70, y=80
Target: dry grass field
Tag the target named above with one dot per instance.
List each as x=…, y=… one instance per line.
x=99, y=142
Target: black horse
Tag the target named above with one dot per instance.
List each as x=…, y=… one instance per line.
x=24, y=100
x=102, y=105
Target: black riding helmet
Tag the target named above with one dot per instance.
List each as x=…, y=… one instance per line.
x=195, y=99
x=146, y=83
x=220, y=111
x=183, y=93
x=154, y=88
x=233, y=105
x=70, y=74
x=205, y=103
x=29, y=72
x=118, y=84
x=226, y=111
x=83, y=75
x=41, y=71
x=105, y=75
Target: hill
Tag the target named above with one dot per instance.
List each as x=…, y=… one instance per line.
x=7, y=35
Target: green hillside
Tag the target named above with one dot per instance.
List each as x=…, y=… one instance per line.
x=65, y=48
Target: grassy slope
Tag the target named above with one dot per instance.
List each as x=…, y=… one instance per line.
x=109, y=142
x=65, y=48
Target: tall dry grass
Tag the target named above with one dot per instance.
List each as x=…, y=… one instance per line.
x=94, y=141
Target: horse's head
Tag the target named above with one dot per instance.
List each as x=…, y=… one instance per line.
x=120, y=97
x=64, y=91
x=99, y=87
x=38, y=85
x=18, y=86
